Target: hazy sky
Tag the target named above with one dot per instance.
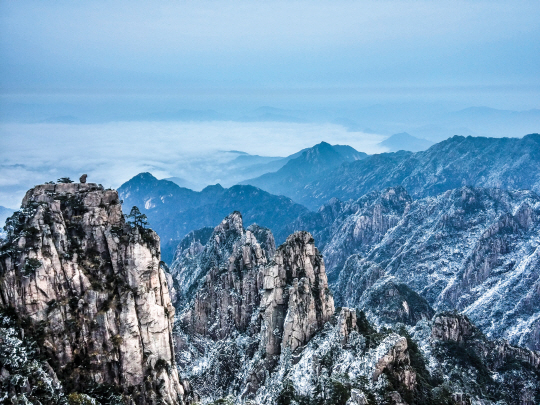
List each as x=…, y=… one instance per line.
x=242, y=46
x=97, y=86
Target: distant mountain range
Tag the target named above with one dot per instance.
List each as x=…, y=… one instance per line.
x=313, y=176
x=509, y=163
x=312, y=165
x=433, y=121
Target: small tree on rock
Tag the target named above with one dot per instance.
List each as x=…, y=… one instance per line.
x=136, y=218
x=64, y=180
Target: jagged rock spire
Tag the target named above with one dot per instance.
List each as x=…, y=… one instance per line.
x=296, y=300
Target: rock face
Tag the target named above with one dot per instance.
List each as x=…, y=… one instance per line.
x=223, y=248
x=475, y=250
x=296, y=300
x=472, y=365
x=452, y=328
x=353, y=227
x=89, y=286
x=218, y=321
x=247, y=299
x=228, y=296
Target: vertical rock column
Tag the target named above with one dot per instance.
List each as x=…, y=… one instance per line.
x=296, y=300
x=90, y=289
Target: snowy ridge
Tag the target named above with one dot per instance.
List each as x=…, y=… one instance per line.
x=475, y=250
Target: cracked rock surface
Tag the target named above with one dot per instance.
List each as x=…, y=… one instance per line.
x=90, y=288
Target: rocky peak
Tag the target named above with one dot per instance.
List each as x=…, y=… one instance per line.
x=296, y=300
x=89, y=286
x=227, y=293
x=230, y=227
x=189, y=270
x=452, y=327
x=265, y=238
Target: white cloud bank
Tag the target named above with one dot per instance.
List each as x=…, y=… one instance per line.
x=112, y=153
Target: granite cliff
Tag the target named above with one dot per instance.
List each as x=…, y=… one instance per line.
x=88, y=287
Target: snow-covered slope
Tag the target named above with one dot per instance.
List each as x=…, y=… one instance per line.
x=471, y=249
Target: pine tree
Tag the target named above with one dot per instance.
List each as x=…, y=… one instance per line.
x=137, y=218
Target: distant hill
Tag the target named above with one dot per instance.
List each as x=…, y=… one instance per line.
x=404, y=141
x=306, y=167
x=227, y=168
x=174, y=211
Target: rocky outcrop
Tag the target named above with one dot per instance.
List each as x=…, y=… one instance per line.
x=245, y=304
x=347, y=361
x=229, y=296
x=296, y=300
x=473, y=364
x=452, y=327
x=396, y=355
x=88, y=286
x=468, y=249
x=457, y=328
x=218, y=322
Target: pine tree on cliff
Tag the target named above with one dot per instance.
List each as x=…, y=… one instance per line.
x=137, y=218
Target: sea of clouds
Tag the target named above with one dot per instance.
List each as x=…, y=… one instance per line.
x=112, y=153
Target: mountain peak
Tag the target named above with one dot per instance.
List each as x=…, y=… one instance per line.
x=212, y=188
x=405, y=141
x=145, y=176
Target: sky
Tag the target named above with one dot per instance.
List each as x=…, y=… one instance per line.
x=89, y=83
x=241, y=46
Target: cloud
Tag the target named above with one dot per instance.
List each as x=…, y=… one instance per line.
x=112, y=153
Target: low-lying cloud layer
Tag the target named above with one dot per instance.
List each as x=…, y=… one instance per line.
x=112, y=153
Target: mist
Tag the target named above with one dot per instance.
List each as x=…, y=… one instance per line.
x=112, y=153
